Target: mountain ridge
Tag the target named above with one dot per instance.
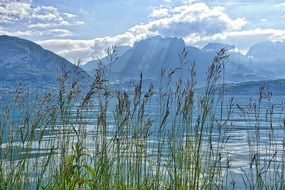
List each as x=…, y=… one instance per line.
x=27, y=62
x=157, y=52
x=24, y=61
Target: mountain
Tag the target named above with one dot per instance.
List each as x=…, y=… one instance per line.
x=263, y=61
x=91, y=65
x=217, y=47
x=268, y=59
x=152, y=54
x=148, y=56
x=267, y=51
x=251, y=87
x=27, y=62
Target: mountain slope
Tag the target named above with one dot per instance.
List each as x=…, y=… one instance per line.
x=148, y=56
x=267, y=51
x=267, y=58
x=26, y=62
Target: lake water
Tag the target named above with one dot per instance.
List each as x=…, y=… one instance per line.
x=241, y=134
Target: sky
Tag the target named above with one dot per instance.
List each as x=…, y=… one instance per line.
x=83, y=29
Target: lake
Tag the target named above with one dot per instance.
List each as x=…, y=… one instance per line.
x=253, y=133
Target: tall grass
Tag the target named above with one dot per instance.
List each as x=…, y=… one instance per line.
x=172, y=137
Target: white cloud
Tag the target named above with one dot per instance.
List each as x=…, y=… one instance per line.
x=70, y=49
x=60, y=32
x=27, y=33
x=195, y=20
x=69, y=15
x=196, y=23
x=23, y=13
x=50, y=13
x=190, y=20
x=46, y=25
x=87, y=49
x=269, y=33
x=11, y=11
x=80, y=22
x=158, y=13
x=243, y=38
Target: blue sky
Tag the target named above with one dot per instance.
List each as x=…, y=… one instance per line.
x=83, y=29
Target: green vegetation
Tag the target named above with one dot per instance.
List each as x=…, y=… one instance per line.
x=141, y=138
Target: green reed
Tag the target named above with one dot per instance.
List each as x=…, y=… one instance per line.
x=108, y=138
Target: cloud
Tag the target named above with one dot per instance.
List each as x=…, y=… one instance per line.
x=127, y=39
x=43, y=21
x=46, y=13
x=50, y=13
x=47, y=25
x=243, y=39
x=27, y=33
x=158, y=13
x=36, y=19
x=89, y=49
x=197, y=23
x=60, y=32
x=80, y=22
x=269, y=33
x=195, y=20
x=68, y=48
x=69, y=15
x=11, y=11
